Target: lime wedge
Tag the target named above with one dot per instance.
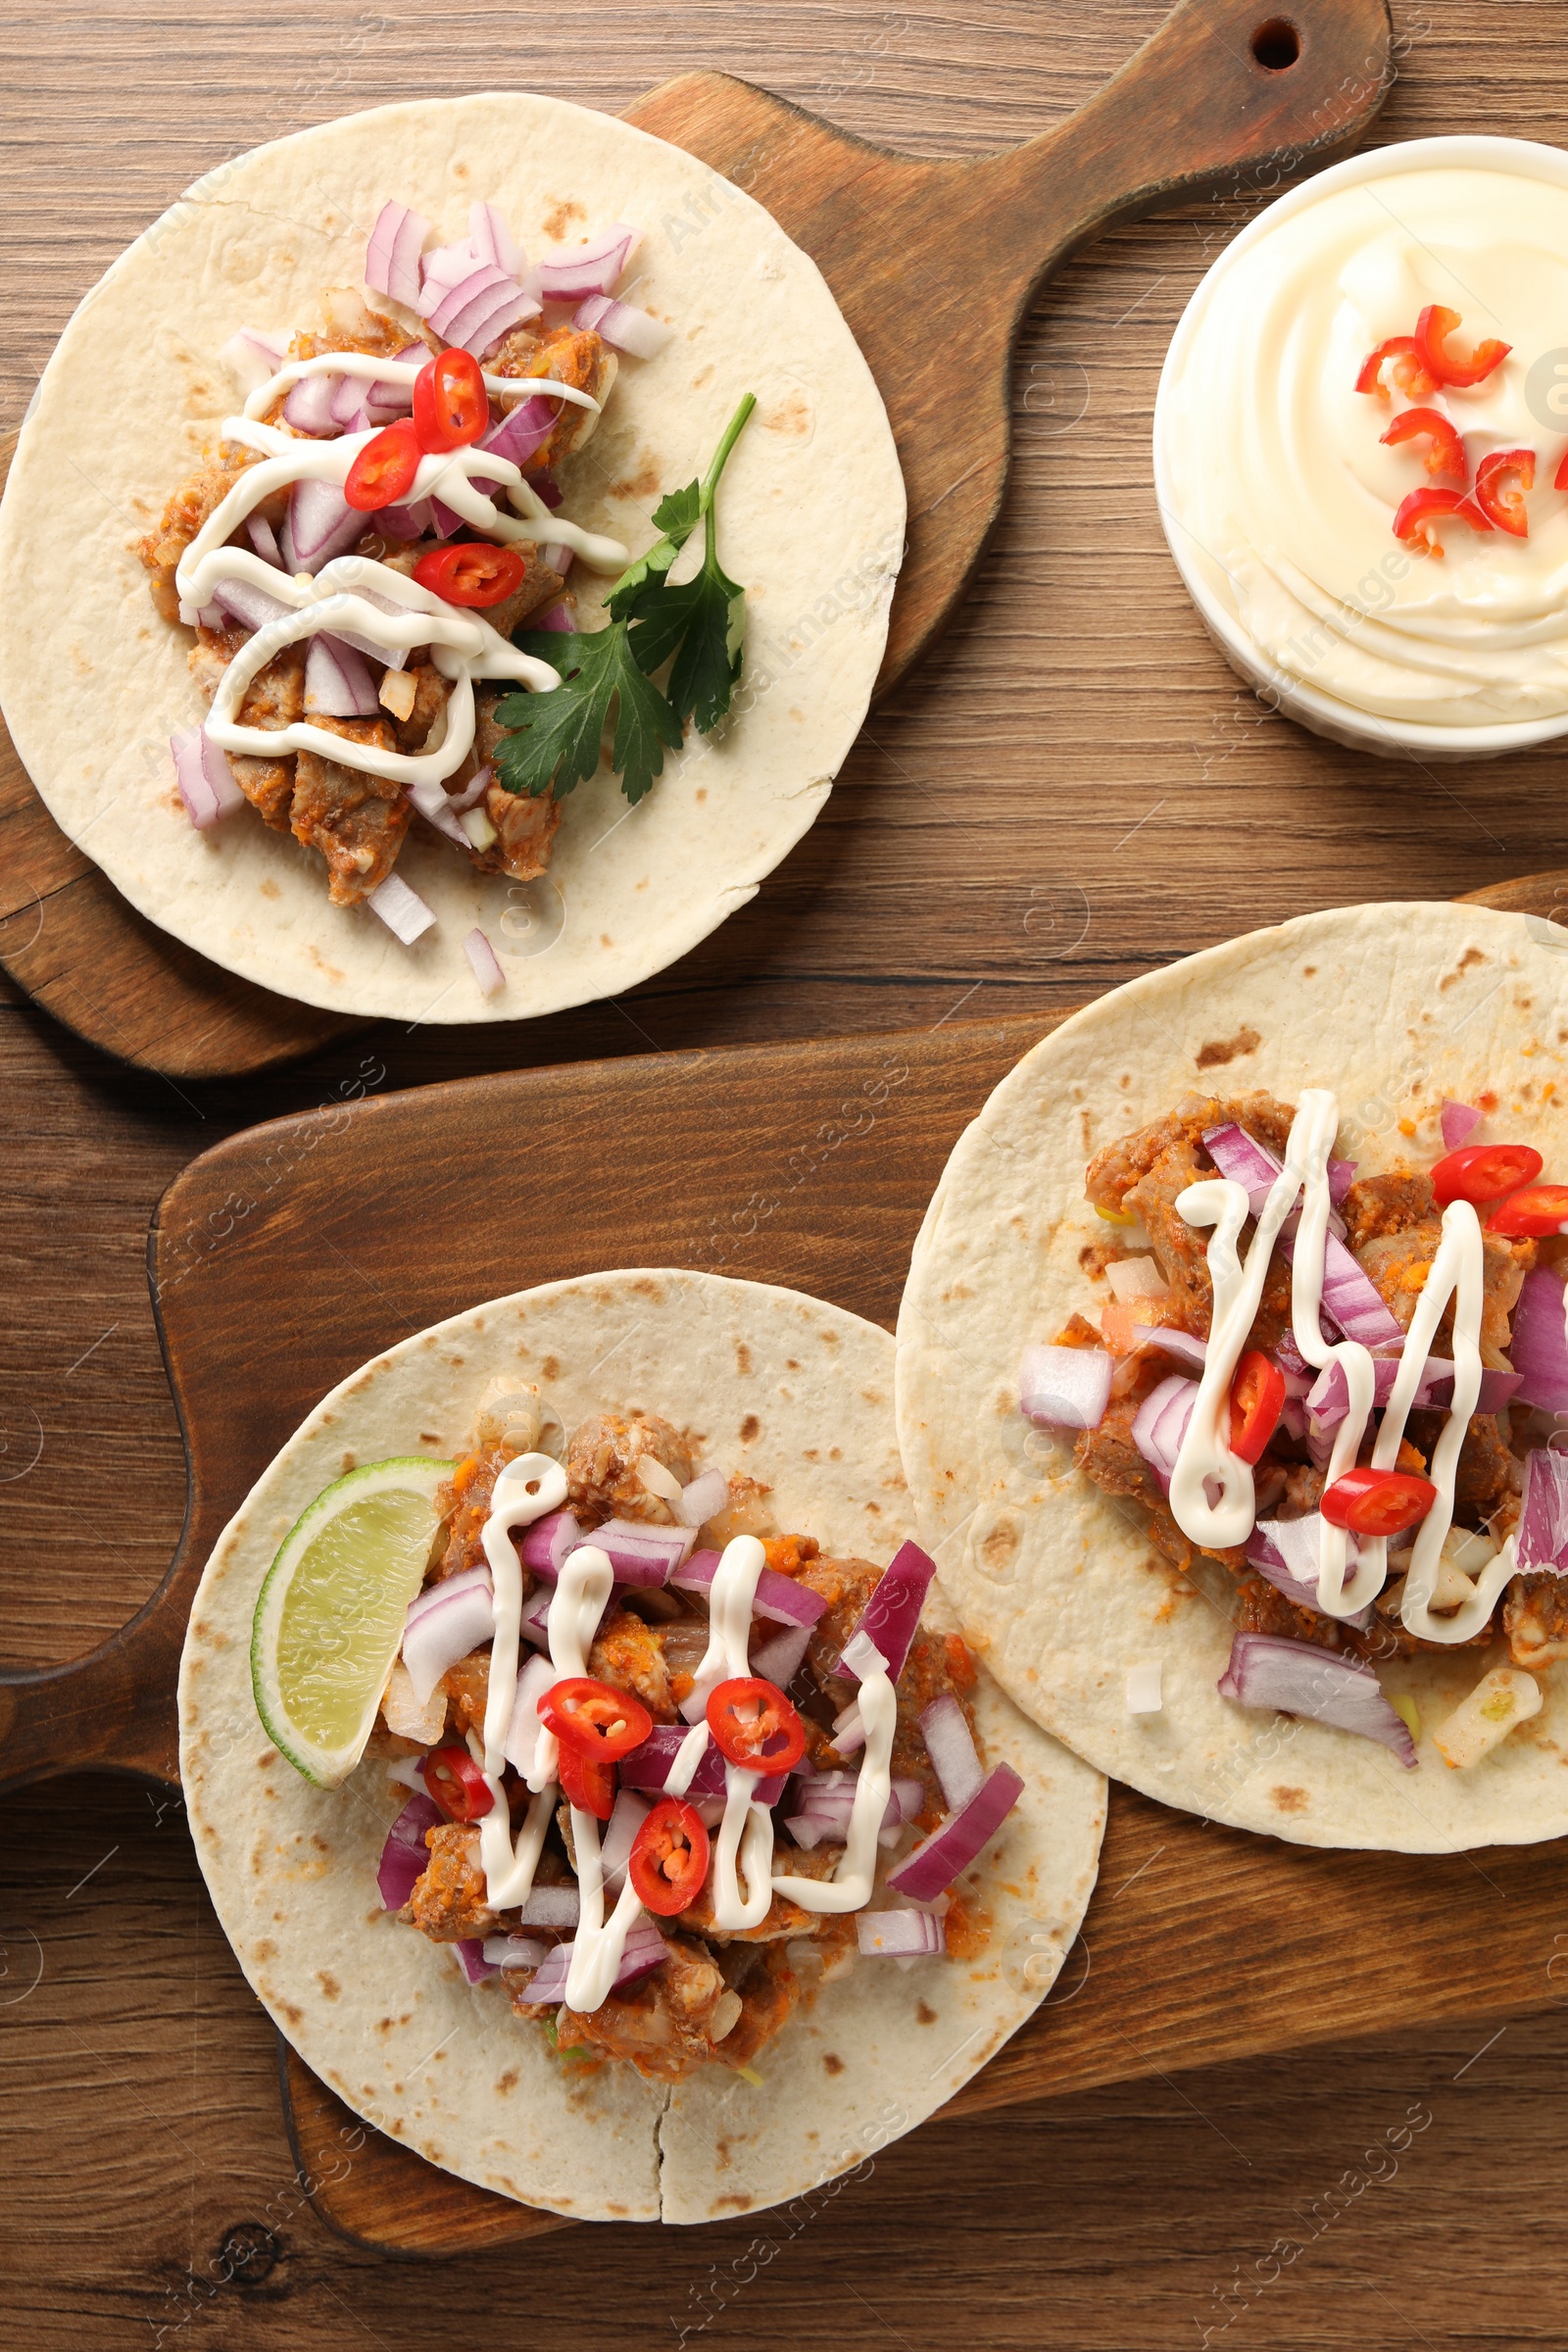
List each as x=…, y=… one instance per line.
x=329, y=1614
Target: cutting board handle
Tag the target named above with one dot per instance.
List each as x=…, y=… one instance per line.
x=1238, y=91
x=113, y=1710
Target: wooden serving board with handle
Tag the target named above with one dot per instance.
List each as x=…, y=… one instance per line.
x=293, y=1252
x=934, y=264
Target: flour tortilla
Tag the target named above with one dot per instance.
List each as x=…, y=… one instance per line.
x=1392, y=1007
x=800, y=1396
x=811, y=516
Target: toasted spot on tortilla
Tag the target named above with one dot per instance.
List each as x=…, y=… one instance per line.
x=741, y=2204
x=833, y=2062
x=268, y=888
x=1289, y=1800
x=506, y=2082
x=743, y=1359
x=329, y=1983
x=426, y=1437
x=749, y=1428
x=561, y=215
x=925, y=2013
x=266, y=1950
x=644, y=484
x=999, y=1543
x=348, y=1460
x=551, y=1367
x=1223, y=1050
x=647, y=1286
x=296, y=2017
x=702, y=792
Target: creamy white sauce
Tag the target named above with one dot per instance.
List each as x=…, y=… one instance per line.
x=1212, y=1497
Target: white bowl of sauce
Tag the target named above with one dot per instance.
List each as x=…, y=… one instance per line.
x=1278, y=494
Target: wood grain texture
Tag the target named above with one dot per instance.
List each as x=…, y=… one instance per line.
x=1069, y=789
x=1204, y=98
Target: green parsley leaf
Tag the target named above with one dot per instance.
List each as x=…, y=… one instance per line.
x=556, y=737
x=678, y=517
x=700, y=624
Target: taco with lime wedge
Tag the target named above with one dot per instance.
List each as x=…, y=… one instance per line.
x=1233, y=1383
x=491, y=463
x=569, y=1697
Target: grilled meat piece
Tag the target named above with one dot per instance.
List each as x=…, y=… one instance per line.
x=358, y=822
x=1535, y=1618
x=661, y=2025
x=630, y=1653
x=448, y=1904
x=602, y=1474
x=566, y=355
x=1378, y=1206
x=192, y=505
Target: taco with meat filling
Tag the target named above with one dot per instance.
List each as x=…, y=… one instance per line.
x=1233, y=1379
x=569, y=1697
x=482, y=455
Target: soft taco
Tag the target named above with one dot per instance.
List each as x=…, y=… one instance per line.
x=569, y=1699
x=448, y=558
x=1233, y=1379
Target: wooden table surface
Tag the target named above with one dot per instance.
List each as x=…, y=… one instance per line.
x=1074, y=789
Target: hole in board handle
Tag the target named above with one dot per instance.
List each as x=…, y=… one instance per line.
x=1276, y=45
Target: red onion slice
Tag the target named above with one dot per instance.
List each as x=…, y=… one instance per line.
x=522, y=431
x=309, y=405
x=493, y=241
x=1539, y=1344
x=386, y=393
x=516, y=1951
x=937, y=1859
x=1329, y=1399
x=950, y=1745
x=778, y=1597
x=594, y=267
x=264, y=539
x=546, y=1544
x=392, y=257
x=641, y=1554
x=350, y=396
x=1458, y=1122
x=435, y=1596
x=559, y=616
x=445, y=1630
x=1287, y=1552
x=645, y=1950
x=483, y=956
x=1160, y=1423
x=547, y=491
x=401, y=909
x=337, y=683
x=626, y=1818
x=890, y=1615
x=319, y=525
x=649, y=1767
x=625, y=327
x=405, y=1854
x=470, y=1953
x=249, y=605
x=534, y=1623
x=701, y=1498
x=1174, y=1343
x=1065, y=1387
x=205, y=778
x=447, y=265
x=252, y=357
x=779, y=1658
x=899, y=1934
x=1297, y=1678
x=551, y=1907
x=520, y=1746
x=1542, y=1544
x=1350, y=1298
x=433, y=805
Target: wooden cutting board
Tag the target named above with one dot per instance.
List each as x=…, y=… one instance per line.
x=293, y=1252
x=934, y=264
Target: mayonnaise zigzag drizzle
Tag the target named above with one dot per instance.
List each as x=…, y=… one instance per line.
x=1212, y=1492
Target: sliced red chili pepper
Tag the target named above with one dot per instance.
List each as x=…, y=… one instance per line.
x=450, y=406
x=1431, y=331
x=669, y=1858
x=1446, y=454
x=595, y=1718
x=1483, y=1172
x=1418, y=517
x=1403, y=357
x=754, y=1723
x=470, y=572
x=1499, y=482
x=384, y=469
x=1538, y=1210
x=456, y=1784
x=1378, y=1502
x=1258, y=1399
x=1559, y=480
x=589, y=1783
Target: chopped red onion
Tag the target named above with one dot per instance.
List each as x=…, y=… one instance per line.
x=446, y=1629
x=534, y=1623
x=350, y=395
x=337, y=683
x=1065, y=1387
x=546, y=1544
x=593, y=268
x=394, y=398
x=1245, y=1162
x=492, y=240
x=624, y=325
x=1174, y=1343
x=445, y=266
x=520, y=1746
x=1539, y=1344
x=778, y=1597
x=409, y=522
x=392, y=257
x=516, y=1951
x=702, y=1496
x=1542, y=1542
x=401, y=909
x=1350, y=1298
x=1330, y=1397
x=1297, y=1678
x=549, y=493
x=626, y=1818
x=1287, y=1552
x=434, y=1596
x=1458, y=1122
x=522, y=431
x=461, y=801
x=478, y=310
x=319, y=525
x=779, y=1659
x=950, y=1745
x=1160, y=1423
x=470, y=1953
x=433, y=804
x=309, y=405
x=552, y=1906
x=486, y=964
x=645, y=1950
x=649, y=1767
x=405, y=1855
x=890, y=1615
x=899, y=1934
x=249, y=605
x=253, y=358
x=936, y=1860
x=641, y=1554
x=205, y=778
x=558, y=616
x=1342, y=1175
x=264, y=539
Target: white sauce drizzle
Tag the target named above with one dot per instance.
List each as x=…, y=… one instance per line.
x=1204, y=1459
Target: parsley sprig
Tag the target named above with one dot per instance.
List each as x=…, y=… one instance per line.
x=696, y=628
